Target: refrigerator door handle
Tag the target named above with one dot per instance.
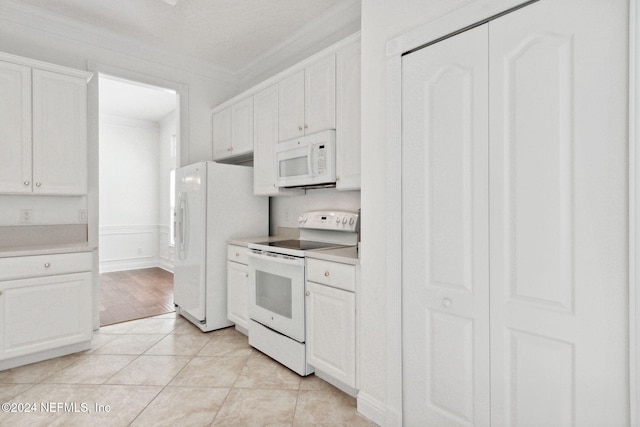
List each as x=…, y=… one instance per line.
x=176, y=220
x=181, y=226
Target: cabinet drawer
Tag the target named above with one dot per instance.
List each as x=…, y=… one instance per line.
x=342, y=276
x=44, y=265
x=238, y=254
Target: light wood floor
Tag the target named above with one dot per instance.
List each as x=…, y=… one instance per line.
x=135, y=294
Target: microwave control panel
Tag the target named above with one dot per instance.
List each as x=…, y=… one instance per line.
x=321, y=156
x=329, y=220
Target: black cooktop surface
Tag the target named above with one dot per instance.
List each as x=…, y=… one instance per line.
x=303, y=245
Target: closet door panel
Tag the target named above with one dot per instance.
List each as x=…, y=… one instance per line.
x=445, y=233
x=557, y=216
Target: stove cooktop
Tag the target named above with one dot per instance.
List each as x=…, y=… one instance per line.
x=303, y=245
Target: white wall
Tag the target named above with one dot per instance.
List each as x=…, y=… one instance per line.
x=129, y=193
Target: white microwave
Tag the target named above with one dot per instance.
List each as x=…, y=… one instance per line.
x=307, y=161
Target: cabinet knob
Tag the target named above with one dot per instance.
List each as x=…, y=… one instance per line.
x=230, y=149
x=326, y=274
x=246, y=275
x=337, y=178
x=26, y=183
x=299, y=127
x=237, y=253
x=38, y=184
x=0, y=293
x=446, y=303
x=306, y=126
x=307, y=293
x=47, y=265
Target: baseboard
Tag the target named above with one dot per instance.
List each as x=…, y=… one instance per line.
x=371, y=408
x=127, y=264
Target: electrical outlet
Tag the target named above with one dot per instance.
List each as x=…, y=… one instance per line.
x=83, y=216
x=287, y=214
x=25, y=216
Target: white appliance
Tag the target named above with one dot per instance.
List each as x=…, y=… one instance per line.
x=307, y=161
x=214, y=203
x=277, y=285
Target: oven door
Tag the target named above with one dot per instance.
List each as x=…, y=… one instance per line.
x=276, y=292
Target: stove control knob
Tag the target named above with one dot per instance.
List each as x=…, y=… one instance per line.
x=351, y=221
x=337, y=220
x=300, y=219
x=344, y=220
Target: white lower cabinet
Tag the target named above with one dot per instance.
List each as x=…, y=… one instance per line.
x=45, y=304
x=237, y=286
x=331, y=320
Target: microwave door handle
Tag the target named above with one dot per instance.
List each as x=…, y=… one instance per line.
x=310, y=162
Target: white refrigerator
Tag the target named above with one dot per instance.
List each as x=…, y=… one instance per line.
x=214, y=203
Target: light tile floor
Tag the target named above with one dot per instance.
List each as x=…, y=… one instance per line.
x=163, y=371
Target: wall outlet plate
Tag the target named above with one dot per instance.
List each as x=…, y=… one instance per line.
x=83, y=216
x=26, y=216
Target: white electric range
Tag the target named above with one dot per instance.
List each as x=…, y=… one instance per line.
x=277, y=284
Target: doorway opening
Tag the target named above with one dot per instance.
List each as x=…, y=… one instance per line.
x=138, y=154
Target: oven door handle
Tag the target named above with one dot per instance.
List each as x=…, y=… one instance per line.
x=277, y=258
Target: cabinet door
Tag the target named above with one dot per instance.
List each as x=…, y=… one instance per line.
x=331, y=332
x=348, y=118
x=558, y=180
x=222, y=134
x=59, y=133
x=242, y=127
x=15, y=128
x=320, y=96
x=265, y=122
x=44, y=313
x=237, y=294
x=291, y=108
x=445, y=233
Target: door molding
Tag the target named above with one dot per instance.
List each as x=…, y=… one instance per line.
x=634, y=212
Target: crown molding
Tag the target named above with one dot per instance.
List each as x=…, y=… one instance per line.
x=333, y=25
x=43, y=21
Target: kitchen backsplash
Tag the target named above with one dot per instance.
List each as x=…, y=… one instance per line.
x=284, y=211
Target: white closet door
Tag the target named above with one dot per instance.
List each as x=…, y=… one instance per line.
x=445, y=233
x=558, y=215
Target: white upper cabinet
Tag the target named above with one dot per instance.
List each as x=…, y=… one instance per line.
x=59, y=133
x=265, y=125
x=233, y=130
x=308, y=100
x=222, y=134
x=15, y=128
x=291, y=109
x=348, y=118
x=43, y=128
x=242, y=127
x=317, y=94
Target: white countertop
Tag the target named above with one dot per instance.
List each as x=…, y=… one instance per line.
x=348, y=255
x=27, y=250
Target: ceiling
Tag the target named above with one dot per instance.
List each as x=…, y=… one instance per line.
x=230, y=34
x=234, y=39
